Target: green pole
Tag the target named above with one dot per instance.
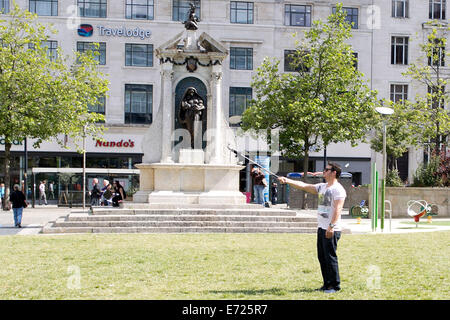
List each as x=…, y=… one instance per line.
x=383, y=195
x=376, y=200
x=372, y=186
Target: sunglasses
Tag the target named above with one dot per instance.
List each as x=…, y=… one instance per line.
x=328, y=169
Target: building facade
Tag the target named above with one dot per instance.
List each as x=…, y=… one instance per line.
x=386, y=38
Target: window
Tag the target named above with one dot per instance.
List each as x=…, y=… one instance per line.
x=351, y=17
x=433, y=96
x=241, y=58
x=400, y=8
x=399, y=50
x=139, y=55
x=355, y=60
x=290, y=63
x=138, y=103
x=399, y=92
x=92, y=8
x=4, y=6
x=181, y=9
x=83, y=47
x=140, y=9
x=44, y=7
x=296, y=15
x=437, y=9
x=52, y=48
x=99, y=107
x=438, y=54
x=241, y=12
x=239, y=100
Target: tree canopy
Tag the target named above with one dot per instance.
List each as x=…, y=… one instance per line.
x=325, y=100
x=42, y=95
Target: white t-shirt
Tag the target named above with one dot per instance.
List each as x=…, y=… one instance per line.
x=42, y=187
x=327, y=196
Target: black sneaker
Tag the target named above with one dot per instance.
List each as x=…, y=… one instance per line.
x=322, y=288
x=19, y=226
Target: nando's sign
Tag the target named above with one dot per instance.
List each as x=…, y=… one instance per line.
x=115, y=144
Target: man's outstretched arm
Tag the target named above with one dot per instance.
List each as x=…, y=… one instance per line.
x=298, y=185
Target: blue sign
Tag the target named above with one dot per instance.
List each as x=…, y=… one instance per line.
x=85, y=30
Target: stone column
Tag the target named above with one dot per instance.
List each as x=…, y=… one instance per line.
x=215, y=125
x=167, y=119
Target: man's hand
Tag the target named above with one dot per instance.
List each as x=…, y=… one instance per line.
x=283, y=180
x=329, y=233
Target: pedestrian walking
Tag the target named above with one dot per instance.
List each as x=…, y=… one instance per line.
x=331, y=201
x=107, y=193
x=42, y=195
x=95, y=193
x=2, y=195
x=18, y=203
x=51, y=190
x=259, y=183
x=274, y=193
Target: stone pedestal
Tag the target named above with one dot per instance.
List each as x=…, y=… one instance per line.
x=189, y=184
x=192, y=156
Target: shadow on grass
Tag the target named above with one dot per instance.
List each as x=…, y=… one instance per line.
x=271, y=291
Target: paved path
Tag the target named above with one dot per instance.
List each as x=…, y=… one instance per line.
x=34, y=219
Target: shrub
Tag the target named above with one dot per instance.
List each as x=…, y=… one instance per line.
x=393, y=179
x=429, y=175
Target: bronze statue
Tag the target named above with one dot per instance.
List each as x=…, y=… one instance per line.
x=191, y=23
x=190, y=114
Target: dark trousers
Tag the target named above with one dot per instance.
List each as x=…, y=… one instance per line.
x=326, y=251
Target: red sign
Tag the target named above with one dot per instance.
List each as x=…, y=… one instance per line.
x=115, y=144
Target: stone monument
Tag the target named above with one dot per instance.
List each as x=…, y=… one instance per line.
x=186, y=159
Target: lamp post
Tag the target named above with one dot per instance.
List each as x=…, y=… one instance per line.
x=25, y=169
x=384, y=111
x=84, y=167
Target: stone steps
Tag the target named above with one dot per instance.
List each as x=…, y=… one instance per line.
x=176, y=230
x=194, y=211
x=188, y=220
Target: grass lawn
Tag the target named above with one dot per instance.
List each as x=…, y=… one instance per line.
x=434, y=222
x=221, y=266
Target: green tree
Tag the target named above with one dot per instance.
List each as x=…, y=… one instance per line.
x=433, y=126
x=43, y=96
x=324, y=101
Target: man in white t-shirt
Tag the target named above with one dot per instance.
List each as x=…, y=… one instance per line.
x=331, y=201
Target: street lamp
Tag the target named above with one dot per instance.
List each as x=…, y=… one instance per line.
x=84, y=167
x=384, y=111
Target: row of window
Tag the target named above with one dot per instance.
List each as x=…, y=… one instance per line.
x=141, y=55
x=139, y=101
x=240, y=11
x=399, y=52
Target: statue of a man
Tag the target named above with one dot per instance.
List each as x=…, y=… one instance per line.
x=191, y=22
x=191, y=109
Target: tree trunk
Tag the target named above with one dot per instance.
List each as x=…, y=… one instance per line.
x=305, y=174
x=7, y=172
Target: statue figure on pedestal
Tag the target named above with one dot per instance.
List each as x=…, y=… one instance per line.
x=191, y=23
x=190, y=114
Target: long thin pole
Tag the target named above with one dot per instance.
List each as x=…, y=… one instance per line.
x=383, y=181
x=25, y=170
x=239, y=154
x=84, y=168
